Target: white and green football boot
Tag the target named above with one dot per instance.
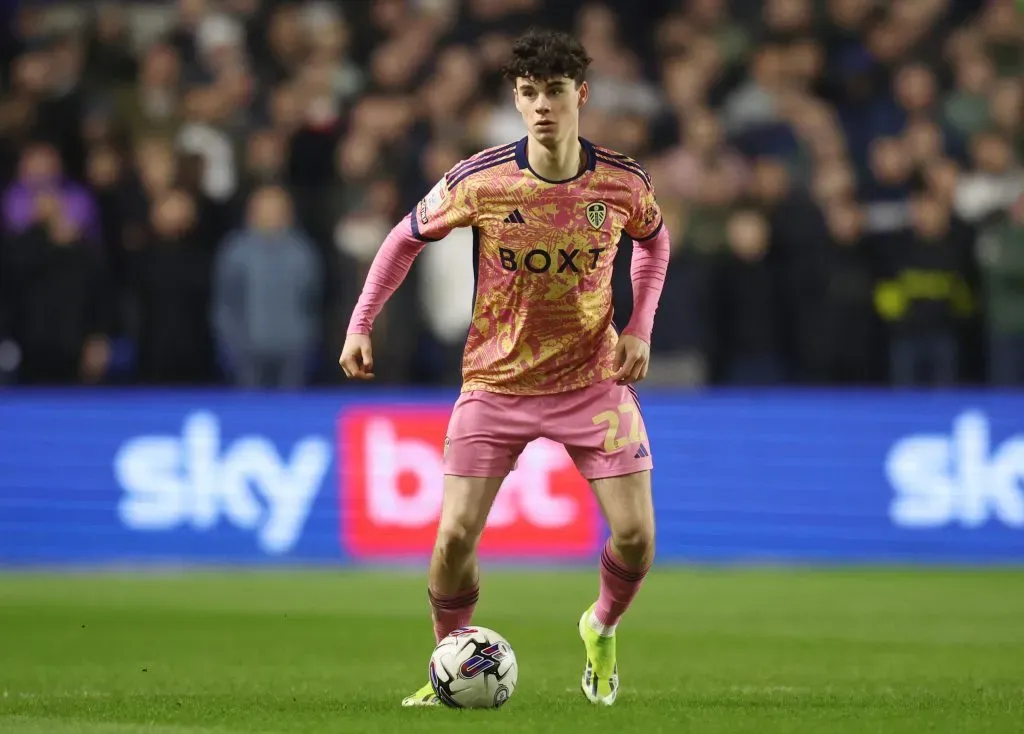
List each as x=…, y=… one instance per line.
x=600, y=682
x=423, y=697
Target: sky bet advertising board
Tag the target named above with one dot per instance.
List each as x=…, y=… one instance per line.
x=209, y=477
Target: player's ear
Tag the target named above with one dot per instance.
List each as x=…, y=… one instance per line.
x=515, y=97
x=583, y=94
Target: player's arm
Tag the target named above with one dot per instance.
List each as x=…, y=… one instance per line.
x=647, y=270
x=437, y=214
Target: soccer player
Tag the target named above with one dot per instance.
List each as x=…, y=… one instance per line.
x=542, y=358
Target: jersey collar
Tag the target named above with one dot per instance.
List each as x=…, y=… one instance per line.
x=523, y=162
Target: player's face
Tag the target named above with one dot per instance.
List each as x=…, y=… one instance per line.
x=550, y=107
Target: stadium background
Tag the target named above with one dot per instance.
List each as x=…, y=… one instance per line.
x=191, y=195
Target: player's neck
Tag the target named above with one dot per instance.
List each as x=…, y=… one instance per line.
x=559, y=163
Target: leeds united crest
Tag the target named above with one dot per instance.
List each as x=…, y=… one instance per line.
x=596, y=213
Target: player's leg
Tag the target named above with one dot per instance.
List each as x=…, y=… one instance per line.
x=625, y=559
x=486, y=434
x=454, y=578
x=604, y=432
x=453, y=586
x=629, y=551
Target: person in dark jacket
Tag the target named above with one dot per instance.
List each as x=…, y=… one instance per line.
x=750, y=305
x=56, y=292
x=924, y=298
x=832, y=289
x=170, y=280
x=1001, y=260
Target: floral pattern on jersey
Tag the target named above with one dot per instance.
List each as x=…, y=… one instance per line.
x=542, y=319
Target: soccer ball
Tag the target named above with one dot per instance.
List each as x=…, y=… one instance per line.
x=473, y=668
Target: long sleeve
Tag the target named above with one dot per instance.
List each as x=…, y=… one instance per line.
x=389, y=268
x=647, y=271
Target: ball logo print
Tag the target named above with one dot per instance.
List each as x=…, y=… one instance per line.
x=463, y=631
x=501, y=696
x=485, y=660
x=391, y=478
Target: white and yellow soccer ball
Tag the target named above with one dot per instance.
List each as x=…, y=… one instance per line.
x=474, y=668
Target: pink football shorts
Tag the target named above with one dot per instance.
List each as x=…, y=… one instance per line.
x=600, y=427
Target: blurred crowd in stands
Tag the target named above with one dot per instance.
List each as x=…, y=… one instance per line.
x=192, y=191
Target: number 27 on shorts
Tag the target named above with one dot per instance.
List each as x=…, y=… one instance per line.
x=613, y=418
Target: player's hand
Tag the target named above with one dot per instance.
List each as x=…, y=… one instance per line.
x=632, y=356
x=357, y=357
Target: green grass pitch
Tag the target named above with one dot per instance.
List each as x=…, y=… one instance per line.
x=703, y=650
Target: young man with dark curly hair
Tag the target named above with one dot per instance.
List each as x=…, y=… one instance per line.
x=543, y=358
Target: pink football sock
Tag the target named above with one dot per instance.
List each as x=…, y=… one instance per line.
x=451, y=611
x=619, y=584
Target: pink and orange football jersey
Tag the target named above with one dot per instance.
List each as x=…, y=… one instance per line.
x=543, y=254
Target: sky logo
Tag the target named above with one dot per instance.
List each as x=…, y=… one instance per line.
x=959, y=478
x=192, y=480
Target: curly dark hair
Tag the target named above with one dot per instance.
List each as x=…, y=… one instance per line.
x=543, y=54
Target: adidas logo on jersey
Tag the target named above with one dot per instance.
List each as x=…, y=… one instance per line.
x=642, y=452
x=515, y=218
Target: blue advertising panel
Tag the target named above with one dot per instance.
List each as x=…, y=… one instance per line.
x=138, y=477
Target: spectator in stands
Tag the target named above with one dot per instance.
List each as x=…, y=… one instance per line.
x=755, y=103
x=827, y=118
x=706, y=173
x=751, y=305
x=615, y=75
x=787, y=20
x=684, y=345
x=169, y=281
x=17, y=119
x=56, y=290
x=446, y=283
x=966, y=108
x=995, y=181
x=206, y=132
x=795, y=221
x=833, y=183
x=942, y=177
x=1000, y=34
x=916, y=92
x=109, y=57
x=152, y=105
x=832, y=284
x=1006, y=112
x=1001, y=256
x=40, y=174
x=886, y=193
x=266, y=298
x=925, y=299
x=108, y=179
x=924, y=142
x=154, y=173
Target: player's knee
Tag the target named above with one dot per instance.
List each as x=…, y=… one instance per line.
x=635, y=542
x=456, y=540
